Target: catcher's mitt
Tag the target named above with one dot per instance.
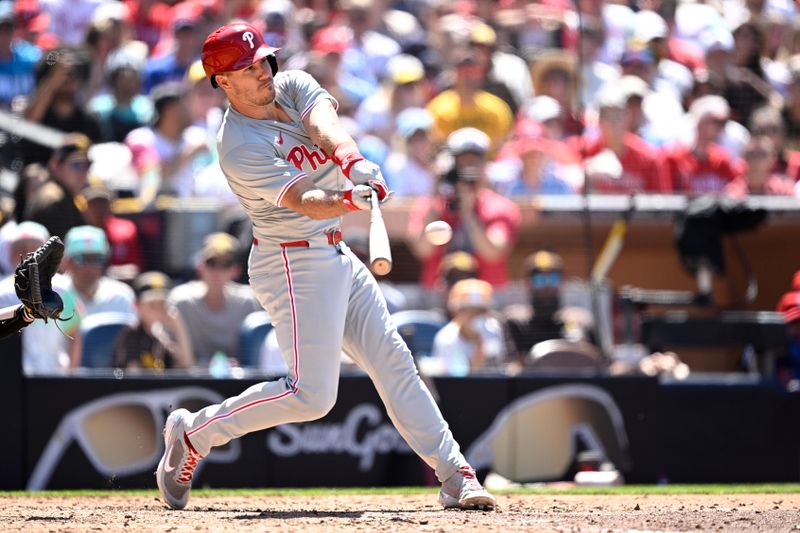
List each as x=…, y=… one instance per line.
x=32, y=280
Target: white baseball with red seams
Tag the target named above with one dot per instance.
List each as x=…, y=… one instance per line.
x=438, y=232
x=321, y=298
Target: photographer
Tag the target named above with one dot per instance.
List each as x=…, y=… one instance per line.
x=484, y=223
x=61, y=75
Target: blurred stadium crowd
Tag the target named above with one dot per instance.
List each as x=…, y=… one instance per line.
x=467, y=105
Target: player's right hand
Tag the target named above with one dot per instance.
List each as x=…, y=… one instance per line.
x=359, y=198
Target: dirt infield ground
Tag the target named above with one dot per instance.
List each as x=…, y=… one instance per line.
x=418, y=512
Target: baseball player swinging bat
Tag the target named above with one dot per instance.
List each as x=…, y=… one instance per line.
x=286, y=156
x=380, y=253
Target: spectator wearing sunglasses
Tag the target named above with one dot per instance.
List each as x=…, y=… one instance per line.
x=543, y=318
x=86, y=256
x=53, y=204
x=214, y=306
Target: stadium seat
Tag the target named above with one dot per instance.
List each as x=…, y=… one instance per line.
x=563, y=355
x=99, y=332
x=418, y=328
x=254, y=330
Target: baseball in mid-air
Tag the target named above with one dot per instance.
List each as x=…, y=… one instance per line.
x=438, y=232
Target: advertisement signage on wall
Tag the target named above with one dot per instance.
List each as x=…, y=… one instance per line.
x=106, y=433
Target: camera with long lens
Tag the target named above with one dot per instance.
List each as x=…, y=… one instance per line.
x=448, y=184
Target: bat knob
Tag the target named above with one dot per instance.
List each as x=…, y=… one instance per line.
x=381, y=267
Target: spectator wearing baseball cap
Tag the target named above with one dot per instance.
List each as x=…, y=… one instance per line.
x=403, y=87
x=554, y=73
x=126, y=259
x=675, y=59
x=33, y=25
x=457, y=266
x=703, y=166
x=468, y=105
x=533, y=163
x=61, y=77
x=506, y=76
x=616, y=160
x=213, y=306
x=324, y=61
x=18, y=58
x=175, y=54
x=370, y=51
x=543, y=317
x=483, y=221
x=160, y=339
x=86, y=255
x=54, y=204
x=169, y=153
x=474, y=339
x=409, y=168
x=44, y=348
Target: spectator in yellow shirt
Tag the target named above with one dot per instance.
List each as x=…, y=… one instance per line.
x=466, y=105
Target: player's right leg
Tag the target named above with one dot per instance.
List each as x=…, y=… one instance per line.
x=376, y=346
x=305, y=291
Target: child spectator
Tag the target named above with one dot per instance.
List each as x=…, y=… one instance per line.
x=160, y=340
x=474, y=338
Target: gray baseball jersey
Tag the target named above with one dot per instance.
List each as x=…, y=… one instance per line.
x=262, y=159
x=321, y=298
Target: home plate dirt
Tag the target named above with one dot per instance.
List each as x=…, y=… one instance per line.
x=418, y=512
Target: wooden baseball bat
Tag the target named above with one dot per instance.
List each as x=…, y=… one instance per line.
x=32, y=131
x=380, y=254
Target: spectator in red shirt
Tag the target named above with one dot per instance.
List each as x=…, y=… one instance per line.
x=759, y=176
x=126, y=260
x=484, y=223
x=767, y=121
x=618, y=161
x=703, y=166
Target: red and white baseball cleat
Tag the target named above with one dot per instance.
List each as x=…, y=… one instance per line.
x=174, y=473
x=462, y=490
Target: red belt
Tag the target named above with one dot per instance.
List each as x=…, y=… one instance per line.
x=334, y=238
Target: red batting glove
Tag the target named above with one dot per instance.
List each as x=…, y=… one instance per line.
x=350, y=203
x=380, y=188
x=346, y=155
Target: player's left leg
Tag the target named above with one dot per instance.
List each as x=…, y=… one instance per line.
x=376, y=346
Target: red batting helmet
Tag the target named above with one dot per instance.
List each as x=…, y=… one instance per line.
x=234, y=47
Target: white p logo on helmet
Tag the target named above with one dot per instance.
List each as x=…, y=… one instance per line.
x=248, y=36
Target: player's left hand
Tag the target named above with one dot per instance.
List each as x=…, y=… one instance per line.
x=32, y=280
x=361, y=171
x=368, y=173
